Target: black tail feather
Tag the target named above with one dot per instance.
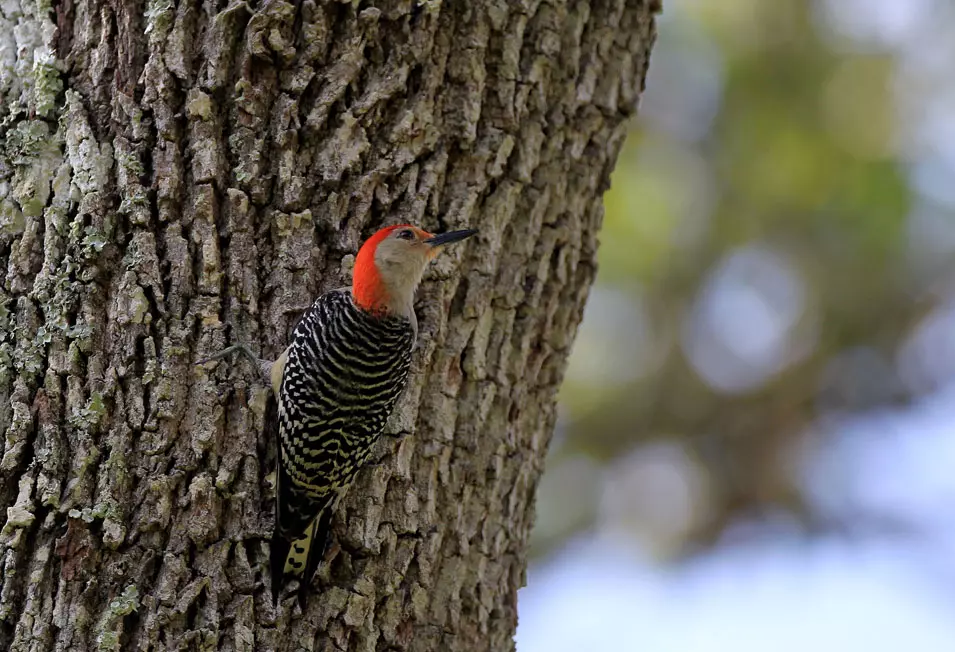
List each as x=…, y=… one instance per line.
x=280, y=548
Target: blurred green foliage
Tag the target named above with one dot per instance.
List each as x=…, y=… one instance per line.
x=756, y=275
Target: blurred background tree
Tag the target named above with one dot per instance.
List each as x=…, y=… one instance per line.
x=775, y=303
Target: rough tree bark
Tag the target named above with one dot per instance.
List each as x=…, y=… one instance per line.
x=176, y=176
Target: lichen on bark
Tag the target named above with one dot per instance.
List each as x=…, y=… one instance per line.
x=181, y=175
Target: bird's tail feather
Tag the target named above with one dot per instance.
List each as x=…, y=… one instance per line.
x=277, y=555
x=318, y=542
x=300, y=557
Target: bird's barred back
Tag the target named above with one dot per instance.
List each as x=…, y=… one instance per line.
x=344, y=373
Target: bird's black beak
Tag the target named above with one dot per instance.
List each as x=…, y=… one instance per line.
x=449, y=237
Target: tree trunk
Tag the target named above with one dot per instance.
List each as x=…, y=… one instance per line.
x=181, y=176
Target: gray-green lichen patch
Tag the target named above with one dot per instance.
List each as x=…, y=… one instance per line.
x=30, y=339
x=199, y=105
x=270, y=32
x=160, y=15
x=114, y=488
x=247, y=144
x=139, y=307
x=91, y=161
x=349, y=144
x=134, y=202
x=11, y=217
x=18, y=428
x=34, y=153
x=21, y=514
x=205, y=508
x=129, y=165
x=286, y=225
x=6, y=346
x=130, y=304
x=23, y=139
x=225, y=31
x=109, y=629
x=149, y=353
x=88, y=418
x=29, y=70
x=46, y=79
x=89, y=514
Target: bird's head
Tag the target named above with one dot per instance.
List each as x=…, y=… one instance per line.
x=390, y=265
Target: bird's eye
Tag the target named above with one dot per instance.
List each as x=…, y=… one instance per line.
x=406, y=234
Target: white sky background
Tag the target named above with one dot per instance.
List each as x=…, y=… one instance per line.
x=781, y=592
x=877, y=594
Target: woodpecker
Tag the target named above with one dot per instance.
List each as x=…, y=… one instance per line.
x=334, y=388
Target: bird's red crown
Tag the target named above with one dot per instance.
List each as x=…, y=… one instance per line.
x=368, y=288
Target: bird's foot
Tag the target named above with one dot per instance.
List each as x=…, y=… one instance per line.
x=264, y=366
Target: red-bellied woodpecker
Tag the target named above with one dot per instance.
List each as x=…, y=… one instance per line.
x=336, y=385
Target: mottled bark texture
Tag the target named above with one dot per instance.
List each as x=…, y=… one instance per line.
x=175, y=177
